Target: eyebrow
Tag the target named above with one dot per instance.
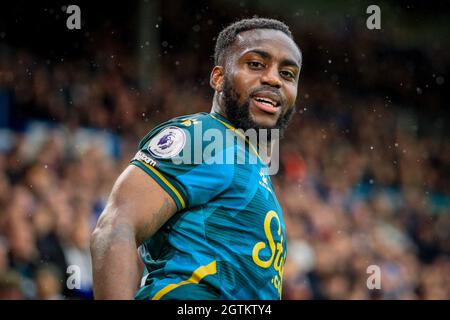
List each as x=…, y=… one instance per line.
x=266, y=55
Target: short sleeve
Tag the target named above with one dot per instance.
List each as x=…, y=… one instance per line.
x=167, y=155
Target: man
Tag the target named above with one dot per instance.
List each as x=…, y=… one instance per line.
x=205, y=231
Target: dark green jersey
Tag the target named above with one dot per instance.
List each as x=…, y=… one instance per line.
x=227, y=239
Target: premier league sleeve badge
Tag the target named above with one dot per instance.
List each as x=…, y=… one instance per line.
x=168, y=143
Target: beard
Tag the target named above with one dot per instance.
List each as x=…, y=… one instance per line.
x=239, y=113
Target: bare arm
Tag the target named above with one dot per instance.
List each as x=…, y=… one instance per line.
x=136, y=209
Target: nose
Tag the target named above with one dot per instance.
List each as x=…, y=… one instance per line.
x=271, y=77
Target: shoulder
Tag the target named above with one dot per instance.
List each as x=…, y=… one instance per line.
x=175, y=155
x=195, y=130
x=187, y=124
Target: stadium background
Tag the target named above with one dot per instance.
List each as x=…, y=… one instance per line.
x=364, y=166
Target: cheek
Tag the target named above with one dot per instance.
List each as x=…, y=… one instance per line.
x=291, y=95
x=242, y=83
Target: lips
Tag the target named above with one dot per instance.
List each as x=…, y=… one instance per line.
x=267, y=101
x=265, y=106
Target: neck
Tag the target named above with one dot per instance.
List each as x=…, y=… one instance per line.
x=217, y=106
x=265, y=149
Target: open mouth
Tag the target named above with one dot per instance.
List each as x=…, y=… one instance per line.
x=266, y=104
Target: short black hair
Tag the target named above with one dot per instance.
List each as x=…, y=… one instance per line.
x=228, y=35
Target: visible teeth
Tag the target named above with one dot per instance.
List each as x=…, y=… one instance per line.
x=266, y=101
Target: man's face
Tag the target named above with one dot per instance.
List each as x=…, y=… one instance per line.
x=260, y=79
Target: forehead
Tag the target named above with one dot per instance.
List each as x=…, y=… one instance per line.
x=275, y=42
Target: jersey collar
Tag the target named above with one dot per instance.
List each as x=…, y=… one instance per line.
x=222, y=119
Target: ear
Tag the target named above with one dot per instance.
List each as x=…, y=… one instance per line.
x=216, y=78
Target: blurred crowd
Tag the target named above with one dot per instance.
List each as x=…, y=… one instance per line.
x=361, y=184
x=370, y=193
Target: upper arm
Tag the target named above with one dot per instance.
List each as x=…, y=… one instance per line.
x=137, y=203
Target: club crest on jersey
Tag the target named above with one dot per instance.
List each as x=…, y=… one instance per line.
x=168, y=143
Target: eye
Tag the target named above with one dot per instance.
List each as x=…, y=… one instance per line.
x=287, y=74
x=256, y=65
